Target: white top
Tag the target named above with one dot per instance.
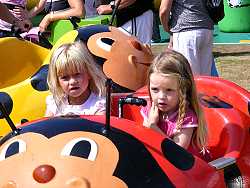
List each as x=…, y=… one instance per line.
x=94, y=104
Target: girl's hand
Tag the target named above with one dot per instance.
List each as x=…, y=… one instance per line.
x=24, y=25
x=20, y=13
x=153, y=117
x=104, y=9
x=170, y=44
x=44, y=23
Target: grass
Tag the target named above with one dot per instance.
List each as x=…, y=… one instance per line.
x=232, y=62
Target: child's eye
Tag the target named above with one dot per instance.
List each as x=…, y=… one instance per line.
x=77, y=74
x=154, y=89
x=63, y=77
x=170, y=90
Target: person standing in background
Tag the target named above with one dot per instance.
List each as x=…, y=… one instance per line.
x=57, y=10
x=156, y=36
x=9, y=18
x=134, y=16
x=91, y=5
x=192, y=30
x=6, y=15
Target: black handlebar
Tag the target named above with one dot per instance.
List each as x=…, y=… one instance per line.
x=74, y=20
x=129, y=100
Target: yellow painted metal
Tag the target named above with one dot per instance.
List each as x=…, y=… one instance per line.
x=31, y=4
x=245, y=41
x=19, y=60
x=66, y=38
x=157, y=4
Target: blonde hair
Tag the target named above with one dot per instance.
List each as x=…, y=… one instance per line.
x=172, y=63
x=71, y=58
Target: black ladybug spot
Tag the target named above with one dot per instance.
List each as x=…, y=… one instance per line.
x=39, y=79
x=7, y=104
x=177, y=155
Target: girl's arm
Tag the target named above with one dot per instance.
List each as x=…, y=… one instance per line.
x=106, y=9
x=152, y=119
x=50, y=106
x=49, y=114
x=170, y=44
x=37, y=9
x=153, y=116
x=100, y=107
x=7, y=16
x=76, y=9
x=102, y=112
x=155, y=127
x=183, y=138
x=164, y=13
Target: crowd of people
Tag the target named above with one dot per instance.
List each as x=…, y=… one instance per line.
x=76, y=82
x=188, y=23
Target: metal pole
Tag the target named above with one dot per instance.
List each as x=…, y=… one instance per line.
x=114, y=12
x=7, y=117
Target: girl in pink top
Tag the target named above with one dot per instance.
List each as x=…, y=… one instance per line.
x=174, y=109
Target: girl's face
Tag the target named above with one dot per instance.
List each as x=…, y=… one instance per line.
x=164, y=92
x=75, y=85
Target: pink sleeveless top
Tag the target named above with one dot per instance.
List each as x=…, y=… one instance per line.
x=168, y=124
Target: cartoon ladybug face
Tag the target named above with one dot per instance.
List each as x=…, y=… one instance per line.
x=72, y=152
x=71, y=160
x=124, y=59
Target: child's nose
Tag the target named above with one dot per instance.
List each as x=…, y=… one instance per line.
x=162, y=95
x=72, y=80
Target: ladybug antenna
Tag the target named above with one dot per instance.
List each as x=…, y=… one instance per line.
x=4, y=114
x=109, y=83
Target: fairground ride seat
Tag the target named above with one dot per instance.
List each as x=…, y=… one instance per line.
x=226, y=109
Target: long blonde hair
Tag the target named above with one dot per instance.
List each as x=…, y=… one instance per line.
x=172, y=63
x=71, y=58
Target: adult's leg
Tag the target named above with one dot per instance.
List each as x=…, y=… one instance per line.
x=196, y=46
x=141, y=26
x=206, y=55
x=156, y=36
x=184, y=42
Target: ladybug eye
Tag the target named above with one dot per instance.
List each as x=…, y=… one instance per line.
x=105, y=43
x=81, y=147
x=14, y=147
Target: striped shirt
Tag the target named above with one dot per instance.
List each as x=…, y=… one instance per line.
x=9, y=3
x=188, y=15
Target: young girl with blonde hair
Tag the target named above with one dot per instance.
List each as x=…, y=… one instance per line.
x=174, y=109
x=76, y=82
